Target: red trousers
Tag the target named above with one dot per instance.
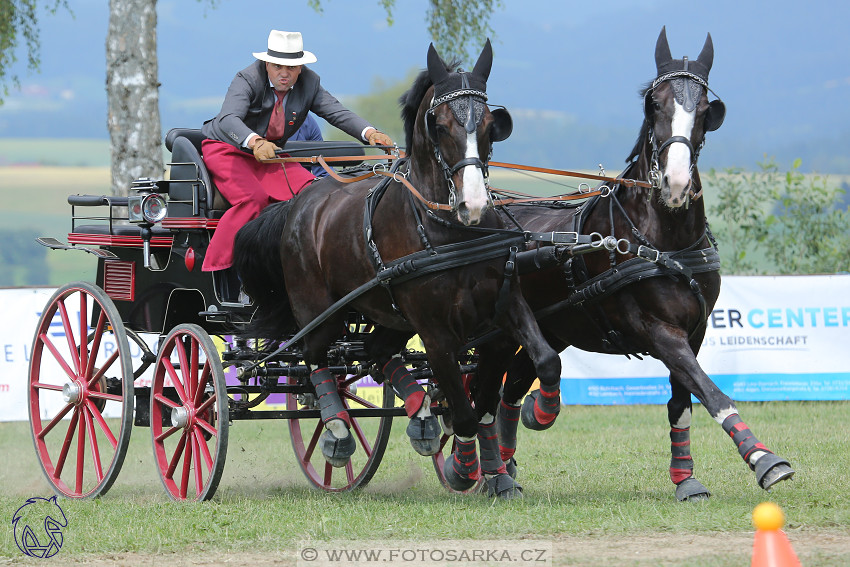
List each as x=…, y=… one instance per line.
x=249, y=187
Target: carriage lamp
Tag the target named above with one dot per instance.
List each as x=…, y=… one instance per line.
x=148, y=208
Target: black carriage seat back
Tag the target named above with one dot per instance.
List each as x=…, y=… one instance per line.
x=187, y=164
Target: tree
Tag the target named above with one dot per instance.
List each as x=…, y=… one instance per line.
x=132, y=93
x=19, y=20
x=779, y=223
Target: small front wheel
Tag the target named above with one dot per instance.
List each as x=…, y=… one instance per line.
x=189, y=414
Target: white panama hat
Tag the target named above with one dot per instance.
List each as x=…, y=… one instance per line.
x=286, y=48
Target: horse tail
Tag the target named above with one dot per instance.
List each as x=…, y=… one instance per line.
x=256, y=253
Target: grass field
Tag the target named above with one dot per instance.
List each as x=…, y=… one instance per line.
x=596, y=491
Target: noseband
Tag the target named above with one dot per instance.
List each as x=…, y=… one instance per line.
x=467, y=105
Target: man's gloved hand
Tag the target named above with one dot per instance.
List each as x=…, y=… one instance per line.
x=263, y=149
x=378, y=138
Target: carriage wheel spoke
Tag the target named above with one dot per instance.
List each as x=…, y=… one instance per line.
x=55, y=420
x=308, y=452
x=367, y=448
x=83, y=352
x=107, y=364
x=196, y=459
x=185, y=369
x=202, y=423
x=355, y=398
x=329, y=474
x=202, y=383
x=166, y=434
x=105, y=396
x=175, y=457
x=349, y=471
x=206, y=405
x=205, y=450
x=102, y=423
x=81, y=452
x=175, y=381
x=187, y=464
x=69, y=335
x=95, y=450
x=166, y=402
x=66, y=444
x=95, y=343
x=57, y=356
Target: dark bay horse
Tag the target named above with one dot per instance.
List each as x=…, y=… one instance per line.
x=337, y=236
x=652, y=292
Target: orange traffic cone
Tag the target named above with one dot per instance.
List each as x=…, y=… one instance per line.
x=771, y=547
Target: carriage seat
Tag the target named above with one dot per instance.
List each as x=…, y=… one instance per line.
x=187, y=164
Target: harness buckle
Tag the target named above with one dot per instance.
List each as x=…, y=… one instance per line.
x=564, y=238
x=648, y=254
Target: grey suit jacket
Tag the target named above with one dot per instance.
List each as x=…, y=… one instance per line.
x=250, y=99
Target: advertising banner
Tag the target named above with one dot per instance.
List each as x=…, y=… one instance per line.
x=768, y=338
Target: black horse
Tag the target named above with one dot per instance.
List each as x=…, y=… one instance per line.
x=338, y=237
x=651, y=290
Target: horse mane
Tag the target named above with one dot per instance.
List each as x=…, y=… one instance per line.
x=644, y=129
x=412, y=98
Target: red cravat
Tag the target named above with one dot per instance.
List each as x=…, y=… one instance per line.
x=277, y=122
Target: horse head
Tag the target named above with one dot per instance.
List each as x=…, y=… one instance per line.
x=677, y=116
x=449, y=126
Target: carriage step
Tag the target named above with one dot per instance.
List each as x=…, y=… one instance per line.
x=55, y=244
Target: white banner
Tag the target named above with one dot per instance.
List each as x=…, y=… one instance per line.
x=768, y=338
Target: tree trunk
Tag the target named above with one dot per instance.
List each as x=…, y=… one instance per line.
x=132, y=91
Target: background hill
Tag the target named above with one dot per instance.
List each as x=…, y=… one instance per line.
x=569, y=72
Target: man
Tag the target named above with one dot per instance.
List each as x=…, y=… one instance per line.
x=266, y=104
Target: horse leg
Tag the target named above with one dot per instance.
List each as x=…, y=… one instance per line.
x=541, y=407
x=679, y=412
x=423, y=429
x=500, y=483
x=336, y=443
x=462, y=470
x=518, y=379
x=680, y=358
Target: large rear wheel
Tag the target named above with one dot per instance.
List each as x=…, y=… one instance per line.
x=371, y=434
x=189, y=414
x=80, y=391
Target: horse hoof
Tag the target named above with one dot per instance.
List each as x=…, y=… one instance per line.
x=424, y=434
x=504, y=487
x=771, y=469
x=459, y=482
x=691, y=490
x=446, y=423
x=529, y=419
x=510, y=465
x=337, y=451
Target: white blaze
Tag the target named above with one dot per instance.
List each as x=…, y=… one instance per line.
x=677, y=172
x=474, y=190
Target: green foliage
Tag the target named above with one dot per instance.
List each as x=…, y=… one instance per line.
x=793, y=221
x=381, y=107
x=22, y=260
x=19, y=22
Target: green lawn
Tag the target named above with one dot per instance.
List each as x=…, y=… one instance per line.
x=600, y=474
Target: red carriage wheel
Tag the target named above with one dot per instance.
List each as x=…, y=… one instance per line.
x=80, y=391
x=370, y=433
x=189, y=414
x=447, y=449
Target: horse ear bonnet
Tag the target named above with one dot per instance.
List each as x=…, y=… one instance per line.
x=465, y=92
x=686, y=91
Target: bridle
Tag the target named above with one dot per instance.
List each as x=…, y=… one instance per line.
x=685, y=91
x=472, y=103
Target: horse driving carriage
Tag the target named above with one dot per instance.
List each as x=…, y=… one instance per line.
x=334, y=283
